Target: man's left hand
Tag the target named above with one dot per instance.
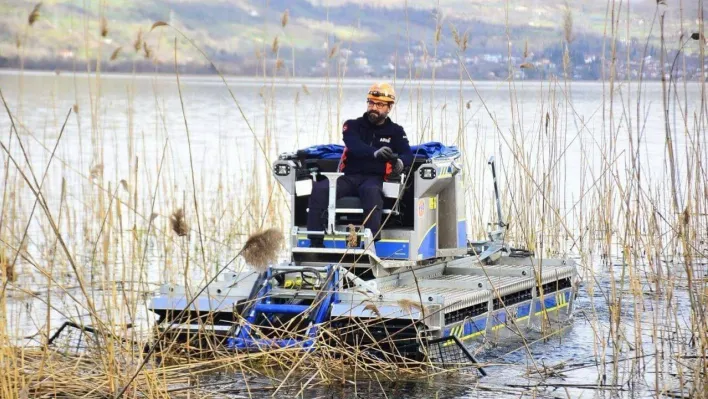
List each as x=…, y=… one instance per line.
x=398, y=167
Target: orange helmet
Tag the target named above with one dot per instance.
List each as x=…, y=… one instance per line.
x=382, y=92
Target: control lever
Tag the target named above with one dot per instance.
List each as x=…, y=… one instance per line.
x=496, y=193
x=308, y=167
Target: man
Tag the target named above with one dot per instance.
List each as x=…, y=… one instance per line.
x=370, y=143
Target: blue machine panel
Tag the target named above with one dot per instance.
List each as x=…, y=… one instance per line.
x=462, y=234
x=427, y=245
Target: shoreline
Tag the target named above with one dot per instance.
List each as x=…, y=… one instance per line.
x=321, y=80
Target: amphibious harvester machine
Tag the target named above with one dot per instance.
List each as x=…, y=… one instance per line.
x=418, y=289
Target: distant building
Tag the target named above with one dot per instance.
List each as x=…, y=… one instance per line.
x=66, y=54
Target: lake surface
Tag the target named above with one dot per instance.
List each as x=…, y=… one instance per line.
x=135, y=129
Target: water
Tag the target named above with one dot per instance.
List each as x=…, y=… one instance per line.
x=135, y=117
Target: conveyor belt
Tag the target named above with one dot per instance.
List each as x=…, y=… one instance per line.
x=460, y=290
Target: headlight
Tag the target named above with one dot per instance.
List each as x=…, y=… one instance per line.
x=282, y=169
x=427, y=173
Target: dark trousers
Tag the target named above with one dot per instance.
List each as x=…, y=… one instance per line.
x=367, y=188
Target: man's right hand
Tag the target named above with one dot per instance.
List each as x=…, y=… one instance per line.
x=384, y=153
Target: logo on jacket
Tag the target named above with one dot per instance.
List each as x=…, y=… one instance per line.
x=385, y=140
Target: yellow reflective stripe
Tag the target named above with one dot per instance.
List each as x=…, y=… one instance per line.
x=304, y=237
x=557, y=307
x=473, y=335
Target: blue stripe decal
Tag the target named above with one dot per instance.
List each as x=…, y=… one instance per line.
x=392, y=249
x=384, y=249
x=549, y=301
x=305, y=243
x=462, y=234
x=427, y=245
x=498, y=318
x=468, y=328
x=523, y=310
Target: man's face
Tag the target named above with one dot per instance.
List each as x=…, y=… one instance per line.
x=377, y=111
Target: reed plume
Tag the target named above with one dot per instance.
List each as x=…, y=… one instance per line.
x=138, y=43
x=34, y=15
x=373, y=309
x=279, y=64
x=179, y=225
x=408, y=305
x=351, y=238
x=104, y=27
x=147, y=51
x=96, y=171
x=158, y=24
x=333, y=51
x=284, y=19
x=274, y=47
x=262, y=248
x=7, y=269
x=115, y=53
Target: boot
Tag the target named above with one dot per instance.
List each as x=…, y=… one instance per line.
x=317, y=242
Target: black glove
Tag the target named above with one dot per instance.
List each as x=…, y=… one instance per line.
x=383, y=153
x=398, y=167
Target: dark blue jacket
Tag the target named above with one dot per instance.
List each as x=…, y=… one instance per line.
x=362, y=138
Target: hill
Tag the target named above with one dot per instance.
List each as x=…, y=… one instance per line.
x=353, y=37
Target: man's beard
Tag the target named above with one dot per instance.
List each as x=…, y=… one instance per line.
x=375, y=117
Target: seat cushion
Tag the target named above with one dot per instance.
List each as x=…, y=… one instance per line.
x=349, y=203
